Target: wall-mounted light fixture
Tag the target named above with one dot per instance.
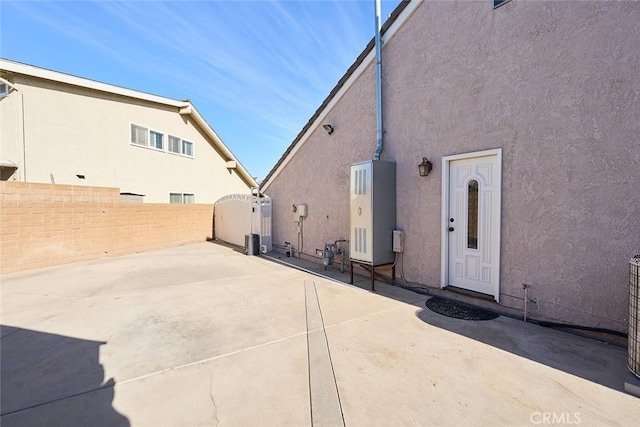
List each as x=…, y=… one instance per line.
x=425, y=167
x=328, y=128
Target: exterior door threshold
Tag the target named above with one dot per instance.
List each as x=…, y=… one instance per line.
x=469, y=293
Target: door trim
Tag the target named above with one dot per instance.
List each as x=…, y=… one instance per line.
x=444, y=240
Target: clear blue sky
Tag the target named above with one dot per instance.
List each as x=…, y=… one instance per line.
x=256, y=70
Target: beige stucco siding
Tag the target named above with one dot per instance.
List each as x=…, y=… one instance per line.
x=71, y=130
x=555, y=86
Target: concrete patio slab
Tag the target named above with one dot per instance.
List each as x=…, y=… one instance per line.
x=203, y=335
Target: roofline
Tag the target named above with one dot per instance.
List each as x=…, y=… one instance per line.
x=398, y=17
x=200, y=120
x=185, y=107
x=46, y=74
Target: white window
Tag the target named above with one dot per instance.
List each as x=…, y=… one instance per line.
x=156, y=139
x=174, y=144
x=139, y=135
x=146, y=137
x=187, y=148
x=182, y=198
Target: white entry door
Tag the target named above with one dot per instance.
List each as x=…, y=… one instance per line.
x=473, y=222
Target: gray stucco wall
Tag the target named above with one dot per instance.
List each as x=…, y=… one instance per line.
x=556, y=86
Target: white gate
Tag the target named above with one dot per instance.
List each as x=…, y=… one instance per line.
x=237, y=215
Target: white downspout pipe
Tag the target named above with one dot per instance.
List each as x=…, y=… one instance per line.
x=24, y=140
x=378, y=42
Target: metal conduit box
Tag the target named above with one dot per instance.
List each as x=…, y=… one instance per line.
x=373, y=212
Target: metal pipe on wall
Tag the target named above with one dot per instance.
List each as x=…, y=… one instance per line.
x=378, y=42
x=526, y=300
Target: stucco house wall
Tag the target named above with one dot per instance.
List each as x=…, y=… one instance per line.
x=555, y=86
x=74, y=129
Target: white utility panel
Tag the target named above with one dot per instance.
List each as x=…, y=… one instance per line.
x=373, y=211
x=299, y=212
x=398, y=241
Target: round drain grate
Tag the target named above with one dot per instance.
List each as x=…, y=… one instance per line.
x=458, y=310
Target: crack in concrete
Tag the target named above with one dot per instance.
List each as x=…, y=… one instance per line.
x=213, y=401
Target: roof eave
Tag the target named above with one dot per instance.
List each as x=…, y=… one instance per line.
x=189, y=109
x=56, y=76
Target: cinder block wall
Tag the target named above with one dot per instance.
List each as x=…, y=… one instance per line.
x=43, y=225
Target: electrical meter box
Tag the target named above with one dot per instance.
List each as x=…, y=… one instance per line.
x=398, y=241
x=299, y=212
x=372, y=212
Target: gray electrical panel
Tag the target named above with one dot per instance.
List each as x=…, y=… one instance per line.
x=373, y=212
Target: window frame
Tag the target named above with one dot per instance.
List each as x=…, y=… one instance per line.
x=181, y=145
x=151, y=141
x=473, y=213
x=4, y=89
x=182, y=198
x=169, y=150
x=146, y=133
x=183, y=151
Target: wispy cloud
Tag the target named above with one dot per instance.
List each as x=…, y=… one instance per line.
x=264, y=64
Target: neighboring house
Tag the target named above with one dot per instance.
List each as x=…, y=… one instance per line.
x=530, y=114
x=58, y=128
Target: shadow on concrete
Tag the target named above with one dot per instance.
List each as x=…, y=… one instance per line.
x=49, y=379
x=233, y=247
x=591, y=359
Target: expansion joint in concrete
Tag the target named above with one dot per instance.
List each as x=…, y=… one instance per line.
x=326, y=408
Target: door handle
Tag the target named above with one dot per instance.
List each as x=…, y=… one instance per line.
x=451, y=228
